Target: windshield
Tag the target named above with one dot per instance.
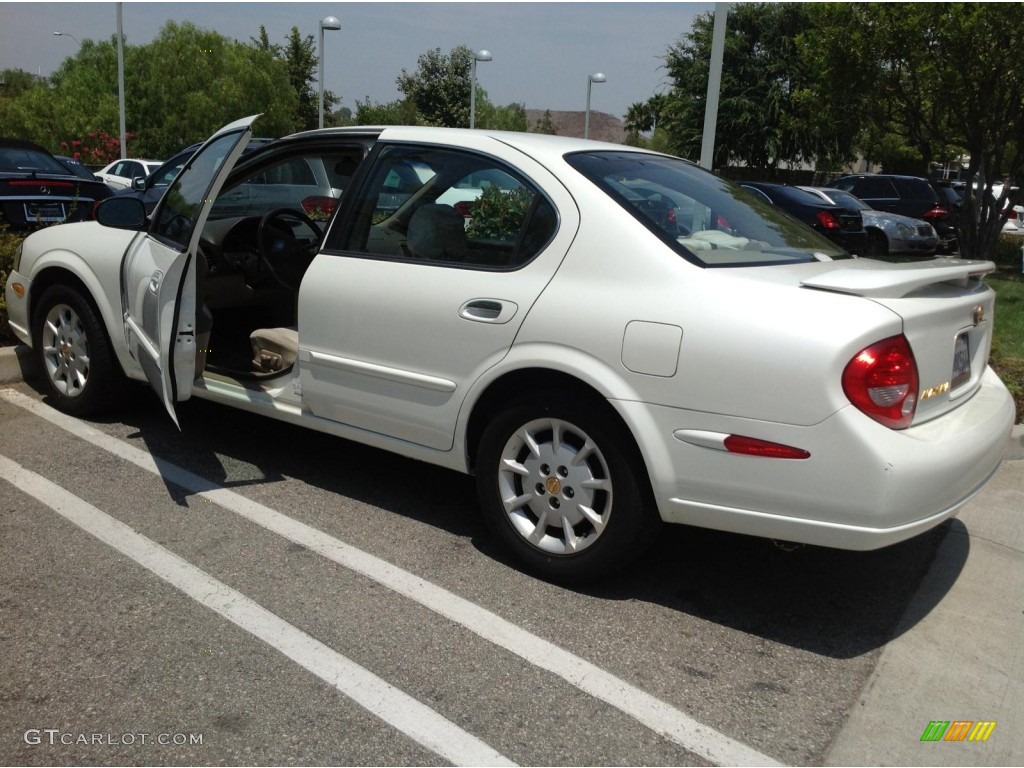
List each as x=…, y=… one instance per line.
x=703, y=217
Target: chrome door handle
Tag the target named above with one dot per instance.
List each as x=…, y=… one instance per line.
x=495, y=311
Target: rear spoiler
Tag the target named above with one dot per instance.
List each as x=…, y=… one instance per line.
x=883, y=280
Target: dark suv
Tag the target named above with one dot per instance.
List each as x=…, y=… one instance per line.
x=907, y=195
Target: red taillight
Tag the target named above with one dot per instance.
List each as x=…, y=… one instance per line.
x=827, y=220
x=319, y=205
x=936, y=213
x=39, y=183
x=464, y=208
x=751, y=446
x=881, y=381
x=1012, y=214
x=671, y=217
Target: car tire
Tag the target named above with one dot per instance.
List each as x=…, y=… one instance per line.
x=74, y=357
x=877, y=244
x=562, y=487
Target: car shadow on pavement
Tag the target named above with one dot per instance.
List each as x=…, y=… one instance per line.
x=835, y=603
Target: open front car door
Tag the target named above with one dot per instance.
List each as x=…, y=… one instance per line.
x=158, y=274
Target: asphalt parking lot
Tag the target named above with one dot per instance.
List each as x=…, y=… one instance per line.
x=247, y=592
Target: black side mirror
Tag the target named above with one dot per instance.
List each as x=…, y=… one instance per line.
x=139, y=183
x=122, y=213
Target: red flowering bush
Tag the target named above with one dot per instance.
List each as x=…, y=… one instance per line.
x=99, y=148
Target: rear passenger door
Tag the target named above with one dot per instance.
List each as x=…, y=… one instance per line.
x=406, y=307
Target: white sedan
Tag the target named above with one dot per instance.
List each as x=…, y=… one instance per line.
x=121, y=173
x=598, y=371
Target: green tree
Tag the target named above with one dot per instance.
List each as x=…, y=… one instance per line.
x=508, y=118
x=765, y=117
x=644, y=117
x=946, y=78
x=545, y=124
x=300, y=58
x=190, y=81
x=440, y=86
x=178, y=90
x=14, y=82
x=399, y=112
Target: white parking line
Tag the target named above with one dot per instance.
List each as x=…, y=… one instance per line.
x=398, y=709
x=650, y=711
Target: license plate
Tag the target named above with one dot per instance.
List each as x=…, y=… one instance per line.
x=961, y=361
x=44, y=212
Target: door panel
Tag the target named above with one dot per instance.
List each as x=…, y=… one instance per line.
x=158, y=273
x=395, y=323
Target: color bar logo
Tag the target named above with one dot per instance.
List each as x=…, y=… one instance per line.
x=958, y=730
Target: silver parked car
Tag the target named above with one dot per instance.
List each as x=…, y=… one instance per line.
x=888, y=233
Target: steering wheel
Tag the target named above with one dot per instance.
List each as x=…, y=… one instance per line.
x=284, y=257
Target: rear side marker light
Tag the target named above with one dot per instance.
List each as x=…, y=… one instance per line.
x=882, y=382
x=751, y=446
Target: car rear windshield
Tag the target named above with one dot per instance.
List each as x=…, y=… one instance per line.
x=24, y=159
x=704, y=218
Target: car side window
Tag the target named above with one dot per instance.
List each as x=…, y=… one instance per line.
x=310, y=183
x=176, y=215
x=446, y=206
x=874, y=188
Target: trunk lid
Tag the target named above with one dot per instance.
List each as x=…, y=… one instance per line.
x=947, y=314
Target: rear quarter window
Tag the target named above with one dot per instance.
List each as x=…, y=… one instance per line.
x=917, y=189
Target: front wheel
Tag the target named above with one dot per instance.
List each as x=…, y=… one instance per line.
x=75, y=359
x=562, y=489
x=877, y=245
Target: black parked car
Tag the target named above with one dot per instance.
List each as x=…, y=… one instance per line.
x=36, y=189
x=843, y=225
x=907, y=195
x=77, y=168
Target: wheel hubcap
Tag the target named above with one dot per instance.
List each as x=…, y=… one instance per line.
x=65, y=350
x=555, y=486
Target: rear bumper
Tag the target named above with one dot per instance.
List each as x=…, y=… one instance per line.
x=864, y=487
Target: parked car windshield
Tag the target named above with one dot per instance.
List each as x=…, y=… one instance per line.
x=704, y=218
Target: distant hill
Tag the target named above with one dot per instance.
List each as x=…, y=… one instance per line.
x=603, y=127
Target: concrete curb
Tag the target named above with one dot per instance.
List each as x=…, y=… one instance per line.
x=16, y=364
x=956, y=654
x=1015, y=448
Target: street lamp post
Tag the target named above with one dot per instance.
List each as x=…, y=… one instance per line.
x=65, y=34
x=329, y=22
x=597, y=77
x=120, y=83
x=484, y=55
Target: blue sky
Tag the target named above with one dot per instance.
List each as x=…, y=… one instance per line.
x=543, y=52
